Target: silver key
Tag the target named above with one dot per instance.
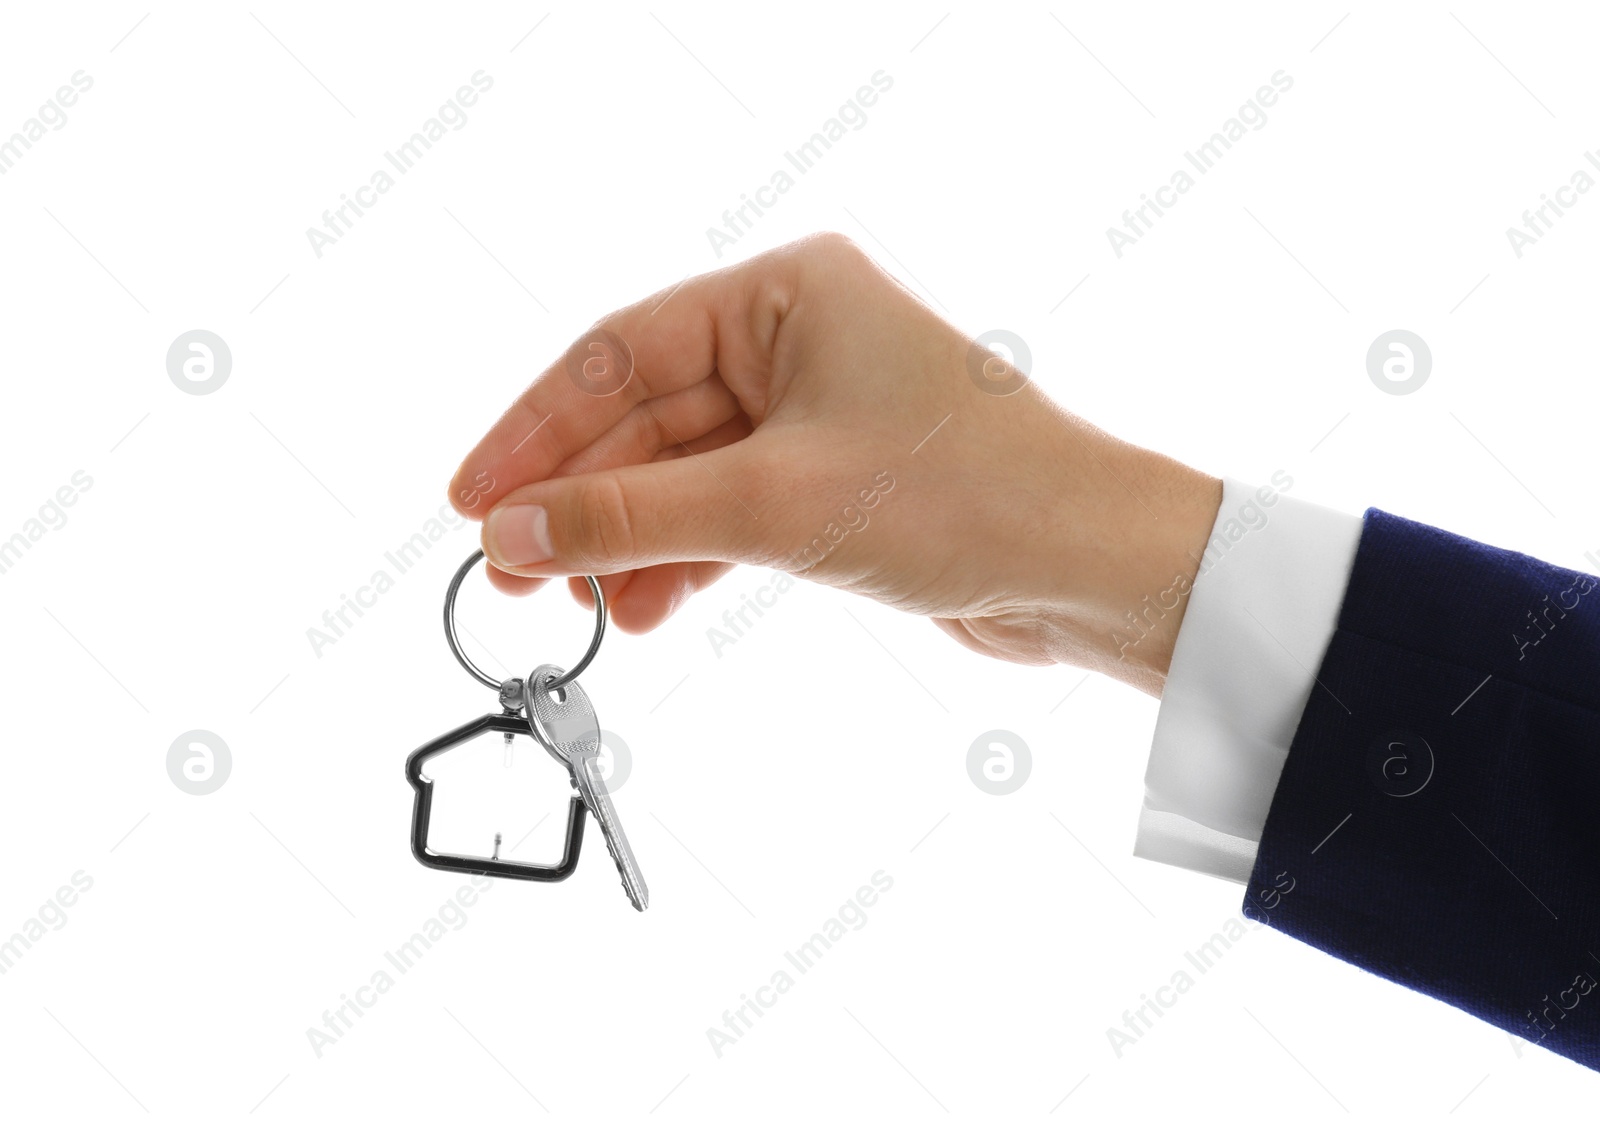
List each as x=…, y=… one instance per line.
x=565, y=724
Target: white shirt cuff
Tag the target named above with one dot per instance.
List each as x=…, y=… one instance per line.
x=1261, y=613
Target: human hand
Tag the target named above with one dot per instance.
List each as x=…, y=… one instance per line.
x=803, y=411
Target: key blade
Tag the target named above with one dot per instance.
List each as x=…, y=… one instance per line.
x=564, y=722
x=592, y=788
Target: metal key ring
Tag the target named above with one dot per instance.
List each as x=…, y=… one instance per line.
x=455, y=642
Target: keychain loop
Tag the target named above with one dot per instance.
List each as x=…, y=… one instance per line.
x=483, y=677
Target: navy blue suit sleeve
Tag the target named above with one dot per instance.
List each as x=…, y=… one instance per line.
x=1437, y=821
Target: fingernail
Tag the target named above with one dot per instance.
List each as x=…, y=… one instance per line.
x=519, y=535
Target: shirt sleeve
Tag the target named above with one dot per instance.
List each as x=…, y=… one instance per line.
x=1262, y=611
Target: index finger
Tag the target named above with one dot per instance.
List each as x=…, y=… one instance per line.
x=669, y=341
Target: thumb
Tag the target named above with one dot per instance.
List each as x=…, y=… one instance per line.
x=702, y=507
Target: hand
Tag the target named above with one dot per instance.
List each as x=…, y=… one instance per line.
x=804, y=412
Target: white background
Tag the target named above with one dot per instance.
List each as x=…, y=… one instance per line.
x=769, y=782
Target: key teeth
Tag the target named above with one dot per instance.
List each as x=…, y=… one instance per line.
x=643, y=901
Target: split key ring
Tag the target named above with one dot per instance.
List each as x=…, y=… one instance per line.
x=483, y=677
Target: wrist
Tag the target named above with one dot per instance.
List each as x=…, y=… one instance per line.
x=1139, y=525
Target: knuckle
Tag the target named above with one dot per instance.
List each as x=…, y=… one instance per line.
x=605, y=520
x=769, y=485
x=834, y=247
x=834, y=261
x=763, y=475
